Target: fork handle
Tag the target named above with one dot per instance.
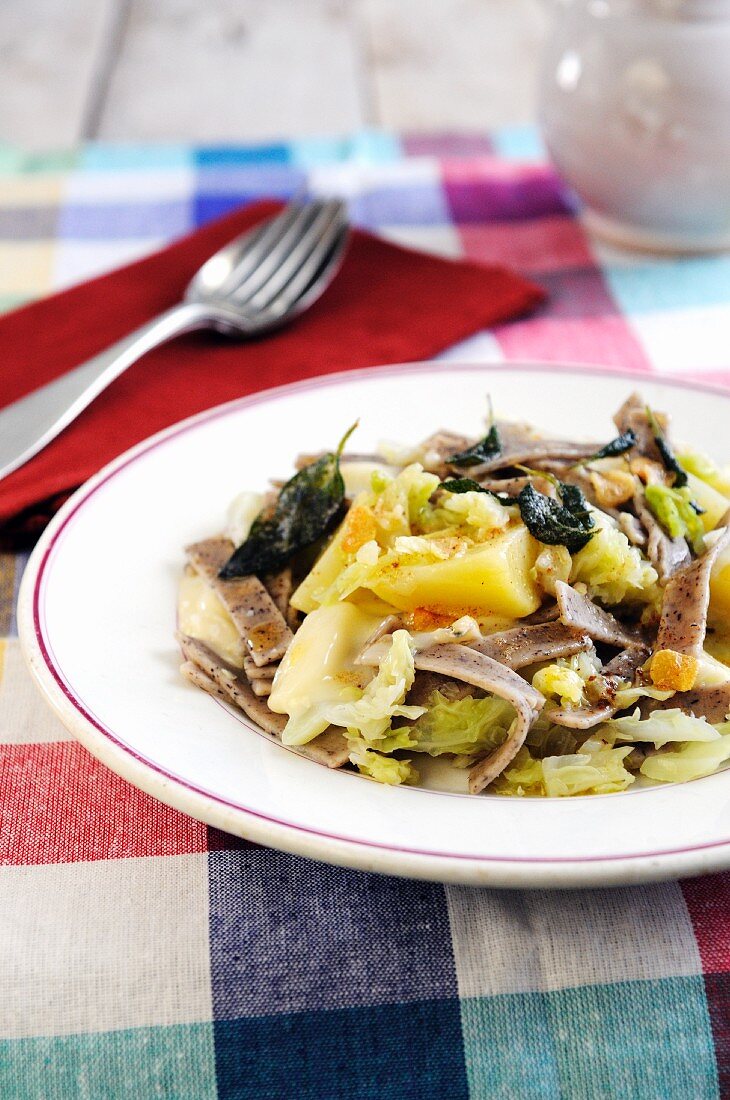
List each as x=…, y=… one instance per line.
x=28, y=425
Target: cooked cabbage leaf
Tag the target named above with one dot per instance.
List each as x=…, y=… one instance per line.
x=461, y=726
x=398, y=505
x=612, y=569
x=690, y=760
x=523, y=777
x=625, y=697
x=384, y=769
x=677, y=513
x=661, y=727
x=598, y=771
x=482, y=511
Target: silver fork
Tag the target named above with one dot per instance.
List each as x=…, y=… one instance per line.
x=253, y=285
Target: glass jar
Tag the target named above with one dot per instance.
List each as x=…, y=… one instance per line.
x=635, y=110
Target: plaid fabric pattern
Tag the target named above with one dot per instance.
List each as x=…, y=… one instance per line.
x=144, y=955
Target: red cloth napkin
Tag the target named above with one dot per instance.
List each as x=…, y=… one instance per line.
x=387, y=304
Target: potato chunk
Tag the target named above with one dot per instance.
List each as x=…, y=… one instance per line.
x=493, y=576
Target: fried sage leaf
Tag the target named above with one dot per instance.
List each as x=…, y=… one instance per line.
x=618, y=446
x=487, y=448
x=307, y=507
x=668, y=457
x=566, y=522
x=468, y=485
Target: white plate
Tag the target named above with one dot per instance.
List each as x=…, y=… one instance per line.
x=97, y=616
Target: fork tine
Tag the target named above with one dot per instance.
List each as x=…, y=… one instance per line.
x=276, y=254
x=279, y=276
x=260, y=241
x=311, y=278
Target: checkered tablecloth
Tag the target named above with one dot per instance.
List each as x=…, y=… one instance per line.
x=144, y=955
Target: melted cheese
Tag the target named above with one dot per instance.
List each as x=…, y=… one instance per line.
x=319, y=665
x=201, y=614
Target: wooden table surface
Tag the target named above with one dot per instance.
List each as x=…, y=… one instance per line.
x=239, y=70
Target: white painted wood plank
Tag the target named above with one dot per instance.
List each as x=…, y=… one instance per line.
x=233, y=70
x=452, y=64
x=47, y=52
